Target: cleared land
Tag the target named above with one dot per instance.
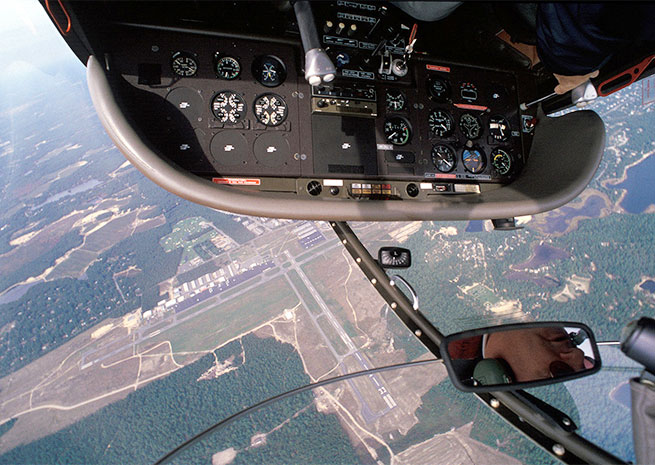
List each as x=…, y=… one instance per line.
x=227, y=321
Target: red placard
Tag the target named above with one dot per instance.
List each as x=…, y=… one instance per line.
x=443, y=69
x=237, y=181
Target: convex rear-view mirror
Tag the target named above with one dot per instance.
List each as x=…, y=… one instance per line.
x=518, y=356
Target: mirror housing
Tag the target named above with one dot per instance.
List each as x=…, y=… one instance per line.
x=518, y=356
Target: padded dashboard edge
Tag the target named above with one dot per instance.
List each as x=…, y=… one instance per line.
x=564, y=157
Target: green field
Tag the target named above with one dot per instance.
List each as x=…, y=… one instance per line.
x=74, y=265
x=483, y=294
x=310, y=302
x=226, y=321
x=332, y=335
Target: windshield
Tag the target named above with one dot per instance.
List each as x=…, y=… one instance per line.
x=131, y=320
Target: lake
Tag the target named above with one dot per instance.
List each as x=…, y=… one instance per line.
x=639, y=186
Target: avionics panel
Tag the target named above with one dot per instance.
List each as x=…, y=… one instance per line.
x=236, y=110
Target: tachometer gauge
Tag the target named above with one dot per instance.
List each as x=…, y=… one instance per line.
x=438, y=88
x=269, y=71
x=501, y=161
x=397, y=130
x=395, y=100
x=270, y=109
x=474, y=160
x=228, y=107
x=227, y=68
x=443, y=158
x=468, y=91
x=441, y=123
x=184, y=64
x=499, y=128
x=470, y=126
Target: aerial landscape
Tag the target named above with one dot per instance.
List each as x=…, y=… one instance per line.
x=131, y=320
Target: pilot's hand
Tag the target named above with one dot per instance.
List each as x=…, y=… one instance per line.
x=567, y=83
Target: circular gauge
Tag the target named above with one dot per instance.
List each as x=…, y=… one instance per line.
x=438, y=88
x=227, y=68
x=184, y=64
x=499, y=128
x=228, y=107
x=470, y=126
x=443, y=158
x=468, y=91
x=269, y=71
x=441, y=123
x=270, y=109
x=501, y=161
x=397, y=130
x=395, y=100
x=474, y=160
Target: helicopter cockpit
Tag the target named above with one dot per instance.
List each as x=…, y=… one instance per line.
x=409, y=119
x=357, y=111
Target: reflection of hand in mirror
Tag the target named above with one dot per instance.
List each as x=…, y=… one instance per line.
x=520, y=355
x=536, y=353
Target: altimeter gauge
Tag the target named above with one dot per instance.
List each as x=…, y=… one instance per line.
x=184, y=64
x=397, y=130
x=441, y=123
x=228, y=107
x=270, y=109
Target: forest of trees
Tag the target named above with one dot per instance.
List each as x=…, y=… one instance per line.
x=153, y=420
x=51, y=313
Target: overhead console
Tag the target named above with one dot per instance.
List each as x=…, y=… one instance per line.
x=227, y=119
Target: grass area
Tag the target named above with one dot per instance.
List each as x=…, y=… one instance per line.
x=315, y=271
x=226, y=321
x=73, y=266
x=310, y=302
x=332, y=335
x=110, y=234
x=483, y=294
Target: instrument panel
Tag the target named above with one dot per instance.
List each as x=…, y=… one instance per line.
x=238, y=111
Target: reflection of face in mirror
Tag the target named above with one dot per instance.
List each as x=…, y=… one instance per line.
x=521, y=355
